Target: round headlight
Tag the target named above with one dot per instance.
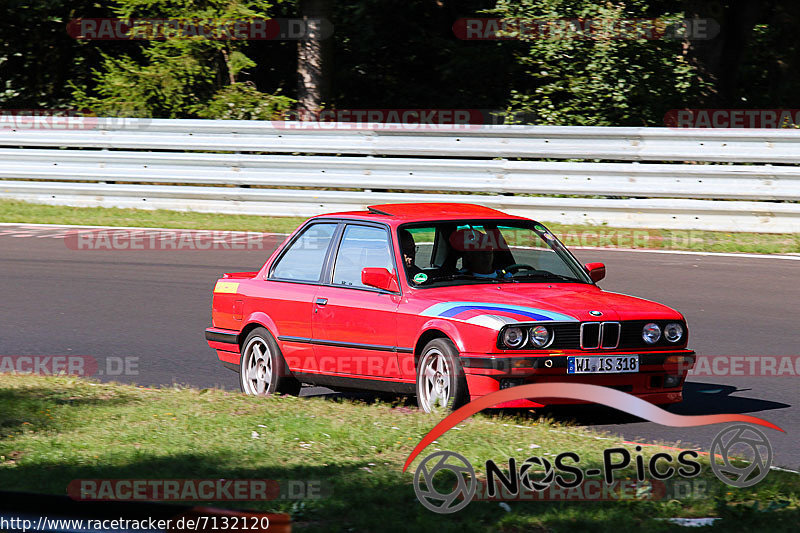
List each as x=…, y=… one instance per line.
x=540, y=336
x=673, y=332
x=651, y=333
x=514, y=337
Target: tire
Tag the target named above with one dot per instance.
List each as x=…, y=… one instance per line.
x=262, y=370
x=441, y=384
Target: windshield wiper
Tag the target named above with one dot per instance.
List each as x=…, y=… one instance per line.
x=546, y=275
x=467, y=277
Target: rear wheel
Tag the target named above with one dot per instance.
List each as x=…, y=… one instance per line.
x=263, y=370
x=441, y=384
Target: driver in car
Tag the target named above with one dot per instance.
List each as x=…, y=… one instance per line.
x=478, y=263
x=477, y=260
x=409, y=249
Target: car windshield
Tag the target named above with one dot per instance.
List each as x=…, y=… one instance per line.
x=480, y=251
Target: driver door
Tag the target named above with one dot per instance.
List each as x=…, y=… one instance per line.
x=355, y=326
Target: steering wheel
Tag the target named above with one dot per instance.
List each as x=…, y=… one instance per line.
x=516, y=267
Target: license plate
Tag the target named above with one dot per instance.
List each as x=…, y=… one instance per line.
x=602, y=364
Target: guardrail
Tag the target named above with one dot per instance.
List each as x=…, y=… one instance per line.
x=729, y=180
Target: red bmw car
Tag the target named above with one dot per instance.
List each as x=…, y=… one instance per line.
x=445, y=301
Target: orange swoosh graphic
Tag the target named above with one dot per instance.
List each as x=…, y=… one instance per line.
x=619, y=400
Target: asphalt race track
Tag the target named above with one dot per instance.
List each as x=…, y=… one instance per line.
x=154, y=305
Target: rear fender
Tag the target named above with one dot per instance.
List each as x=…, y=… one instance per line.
x=262, y=319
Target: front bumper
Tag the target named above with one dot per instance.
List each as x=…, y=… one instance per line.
x=486, y=373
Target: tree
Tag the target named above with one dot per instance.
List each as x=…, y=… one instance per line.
x=313, y=57
x=719, y=59
x=753, y=62
x=601, y=79
x=37, y=57
x=404, y=54
x=182, y=76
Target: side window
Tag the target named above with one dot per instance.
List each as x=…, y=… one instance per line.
x=361, y=247
x=304, y=259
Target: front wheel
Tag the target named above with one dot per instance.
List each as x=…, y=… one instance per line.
x=441, y=384
x=262, y=369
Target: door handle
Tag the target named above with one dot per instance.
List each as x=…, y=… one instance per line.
x=322, y=301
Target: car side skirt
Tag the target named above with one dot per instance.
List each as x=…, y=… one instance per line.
x=355, y=345
x=230, y=366
x=355, y=383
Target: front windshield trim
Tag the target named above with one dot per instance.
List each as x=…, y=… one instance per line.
x=552, y=242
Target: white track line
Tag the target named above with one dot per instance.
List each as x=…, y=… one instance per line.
x=779, y=469
x=78, y=226
x=791, y=257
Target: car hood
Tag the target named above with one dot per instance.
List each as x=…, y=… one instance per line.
x=497, y=304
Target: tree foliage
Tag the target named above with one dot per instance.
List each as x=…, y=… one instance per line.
x=598, y=80
x=181, y=76
x=404, y=54
x=37, y=57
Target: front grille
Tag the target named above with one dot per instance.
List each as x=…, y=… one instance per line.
x=615, y=335
x=565, y=336
x=610, y=335
x=590, y=335
x=599, y=335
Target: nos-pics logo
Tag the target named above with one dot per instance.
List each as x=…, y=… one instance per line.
x=445, y=481
x=456, y=479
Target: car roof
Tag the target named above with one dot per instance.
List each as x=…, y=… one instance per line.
x=421, y=212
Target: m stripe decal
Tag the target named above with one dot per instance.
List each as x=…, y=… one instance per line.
x=456, y=310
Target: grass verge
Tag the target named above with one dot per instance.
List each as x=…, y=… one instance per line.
x=572, y=235
x=58, y=429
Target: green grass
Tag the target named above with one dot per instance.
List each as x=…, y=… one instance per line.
x=57, y=429
x=23, y=212
x=572, y=235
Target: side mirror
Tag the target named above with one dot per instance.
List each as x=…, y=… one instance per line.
x=380, y=278
x=597, y=271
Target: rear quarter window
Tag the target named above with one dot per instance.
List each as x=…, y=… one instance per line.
x=305, y=257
